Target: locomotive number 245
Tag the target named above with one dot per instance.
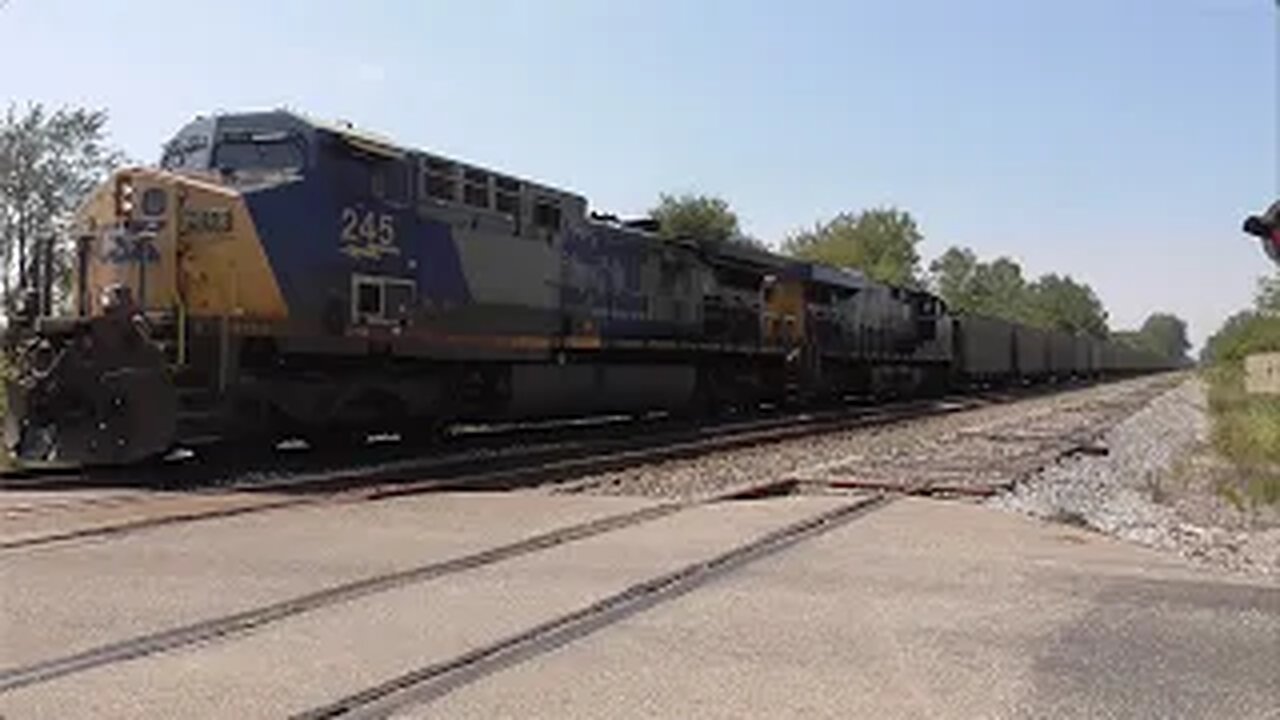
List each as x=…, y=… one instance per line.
x=368, y=234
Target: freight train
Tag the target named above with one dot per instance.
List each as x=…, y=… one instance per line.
x=277, y=276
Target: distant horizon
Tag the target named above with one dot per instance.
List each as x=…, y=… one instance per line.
x=1121, y=145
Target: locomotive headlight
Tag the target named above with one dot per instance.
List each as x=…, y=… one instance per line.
x=124, y=197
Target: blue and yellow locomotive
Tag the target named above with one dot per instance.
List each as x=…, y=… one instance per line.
x=280, y=276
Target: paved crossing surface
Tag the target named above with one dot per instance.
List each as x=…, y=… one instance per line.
x=917, y=608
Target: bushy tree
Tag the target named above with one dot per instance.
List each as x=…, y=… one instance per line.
x=699, y=217
x=1242, y=334
x=969, y=285
x=1248, y=331
x=1058, y=302
x=49, y=161
x=999, y=289
x=951, y=276
x=880, y=242
x=1133, y=339
x=1166, y=334
x=1267, y=297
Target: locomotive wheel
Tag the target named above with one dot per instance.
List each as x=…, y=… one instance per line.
x=421, y=432
x=336, y=438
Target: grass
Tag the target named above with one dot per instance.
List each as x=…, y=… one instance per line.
x=1246, y=431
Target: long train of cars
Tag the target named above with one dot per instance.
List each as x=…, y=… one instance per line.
x=276, y=275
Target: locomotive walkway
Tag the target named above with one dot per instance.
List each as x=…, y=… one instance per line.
x=527, y=604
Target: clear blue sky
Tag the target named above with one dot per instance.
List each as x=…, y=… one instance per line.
x=1120, y=141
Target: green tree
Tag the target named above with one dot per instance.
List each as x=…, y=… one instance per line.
x=1058, y=302
x=999, y=289
x=700, y=217
x=951, y=277
x=1242, y=334
x=1166, y=334
x=1248, y=331
x=995, y=289
x=1267, y=297
x=1133, y=339
x=49, y=161
x=880, y=242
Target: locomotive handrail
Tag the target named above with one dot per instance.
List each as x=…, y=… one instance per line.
x=182, y=333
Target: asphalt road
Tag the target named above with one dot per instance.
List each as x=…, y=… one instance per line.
x=923, y=608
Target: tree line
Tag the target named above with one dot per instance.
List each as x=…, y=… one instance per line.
x=1253, y=330
x=50, y=160
x=883, y=243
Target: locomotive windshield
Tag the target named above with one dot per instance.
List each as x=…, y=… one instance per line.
x=258, y=151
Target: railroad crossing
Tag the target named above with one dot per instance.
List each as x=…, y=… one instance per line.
x=611, y=597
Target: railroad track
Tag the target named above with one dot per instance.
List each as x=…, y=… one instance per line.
x=515, y=468
x=227, y=470
x=433, y=680
x=237, y=624
x=174, y=638
x=481, y=468
x=987, y=459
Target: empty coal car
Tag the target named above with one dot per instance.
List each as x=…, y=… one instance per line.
x=992, y=351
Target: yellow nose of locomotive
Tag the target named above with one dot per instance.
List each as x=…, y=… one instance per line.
x=126, y=235
x=94, y=387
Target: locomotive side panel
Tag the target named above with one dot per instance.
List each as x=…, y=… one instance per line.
x=628, y=287
x=549, y=390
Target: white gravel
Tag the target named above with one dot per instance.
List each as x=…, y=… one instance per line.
x=914, y=445
x=1139, y=490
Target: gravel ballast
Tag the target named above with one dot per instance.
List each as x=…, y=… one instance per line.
x=912, y=446
x=1157, y=486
